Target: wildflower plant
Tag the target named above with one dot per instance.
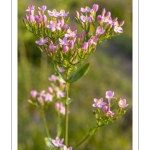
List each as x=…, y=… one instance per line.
x=68, y=49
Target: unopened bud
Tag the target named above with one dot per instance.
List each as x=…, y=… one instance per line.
x=77, y=14
x=44, y=18
x=65, y=48
x=121, y=23
x=95, y=7
x=108, y=14
x=103, y=11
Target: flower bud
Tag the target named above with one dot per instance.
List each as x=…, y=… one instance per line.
x=95, y=7
x=77, y=14
x=108, y=14
x=121, y=23
x=103, y=11
x=31, y=18
x=44, y=18
x=99, y=18
x=115, y=19
x=71, y=44
x=65, y=48
x=37, y=19
x=90, y=41
x=33, y=93
x=39, y=13
x=105, y=108
x=85, y=45
x=39, y=25
x=27, y=17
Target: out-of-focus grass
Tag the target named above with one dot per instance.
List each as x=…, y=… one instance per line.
x=110, y=70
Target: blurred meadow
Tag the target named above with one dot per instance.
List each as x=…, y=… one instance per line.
x=111, y=69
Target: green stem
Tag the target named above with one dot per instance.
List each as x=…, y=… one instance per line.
x=66, y=115
x=45, y=123
x=83, y=140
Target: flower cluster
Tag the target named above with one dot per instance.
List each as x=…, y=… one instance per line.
x=55, y=92
x=103, y=113
x=63, y=43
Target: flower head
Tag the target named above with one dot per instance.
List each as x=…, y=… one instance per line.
x=122, y=103
x=42, y=41
x=57, y=142
x=95, y=7
x=53, y=13
x=43, y=8
x=33, y=93
x=109, y=94
x=48, y=97
x=86, y=9
x=98, y=103
x=63, y=13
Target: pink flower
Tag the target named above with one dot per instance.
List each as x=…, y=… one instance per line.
x=43, y=8
x=44, y=18
x=99, y=30
x=52, y=47
x=52, y=78
x=105, y=108
x=110, y=113
x=57, y=142
x=61, y=69
x=31, y=9
x=71, y=34
x=31, y=18
x=33, y=93
x=53, y=13
x=85, y=45
x=109, y=94
x=65, y=148
x=50, y=89
x=60, y=94
x=63, y=13
x=53, y=26
x=95, y=7
x=42, y=41
x=64, y=41
x=86, y=9
x=48, y=97
x=122, y=103
x=60, y=108
x=118, y=29
x=98, y=103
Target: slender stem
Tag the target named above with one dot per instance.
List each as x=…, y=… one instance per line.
x=45, y=123
x=66, y=115
x=83, y=140
x=58, y=125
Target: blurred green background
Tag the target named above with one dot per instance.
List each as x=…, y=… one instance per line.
x=111, y=69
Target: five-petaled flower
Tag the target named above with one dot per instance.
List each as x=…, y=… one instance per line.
x=109, y=94
x=42, y=41
x=98, y=102
x=57, y=142
x=122, y=103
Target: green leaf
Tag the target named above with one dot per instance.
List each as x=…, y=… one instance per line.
x=79, y=73
x=40, y=49
x=60, y=78
x=49, y=144
x=93, y=130
x=69, y=101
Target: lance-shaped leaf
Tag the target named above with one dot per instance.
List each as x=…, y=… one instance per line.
x=69, y=101
x=49, y=144
x=79, y=73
